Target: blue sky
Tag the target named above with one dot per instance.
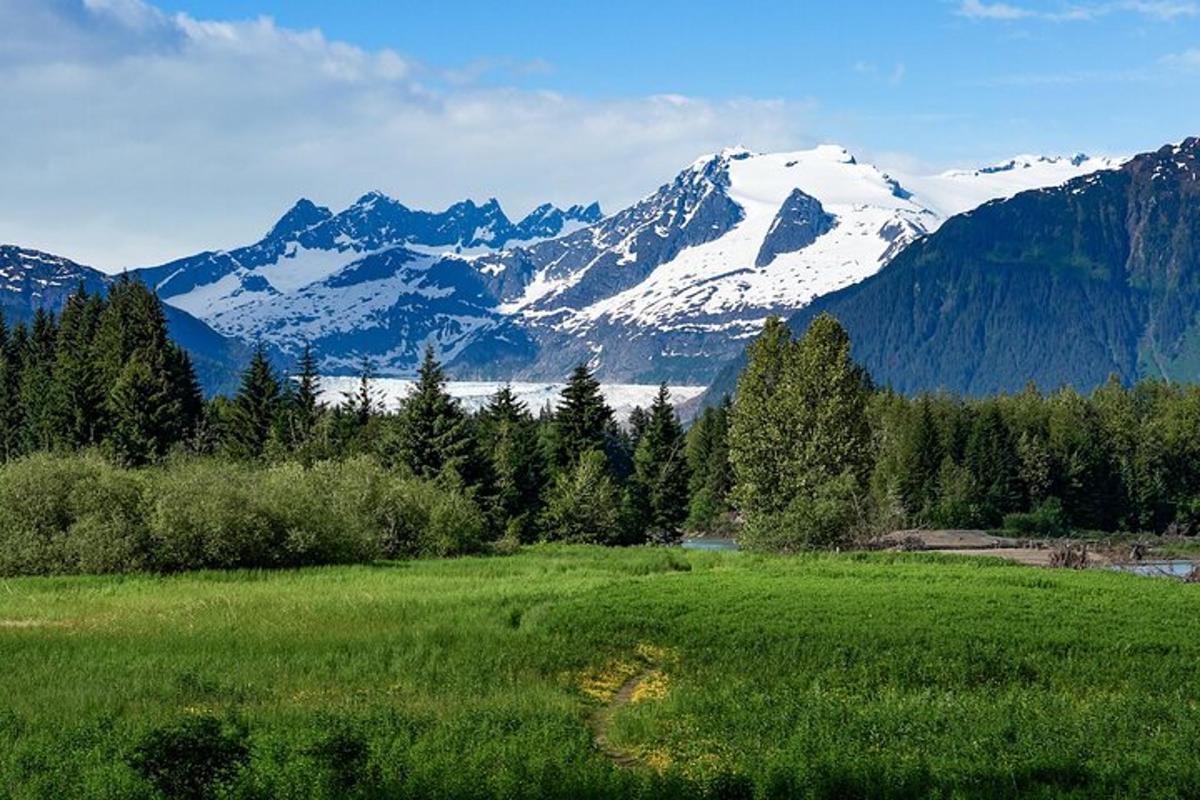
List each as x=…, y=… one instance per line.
x=942, y=81
x=140, y=130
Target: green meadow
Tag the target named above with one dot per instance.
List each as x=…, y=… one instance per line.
x=579, y=672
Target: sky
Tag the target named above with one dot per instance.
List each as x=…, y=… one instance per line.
x=135, y=132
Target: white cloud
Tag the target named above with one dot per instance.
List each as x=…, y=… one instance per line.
x=976, y=9
x=1163, y=10
x=133, y=136
x=1188, y=60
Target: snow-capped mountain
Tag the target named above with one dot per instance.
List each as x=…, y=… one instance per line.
x=666, y=289
x=667, y=286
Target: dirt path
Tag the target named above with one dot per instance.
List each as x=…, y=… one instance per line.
x=602, y=722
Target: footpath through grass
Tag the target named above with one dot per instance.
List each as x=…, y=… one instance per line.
x=823, y=676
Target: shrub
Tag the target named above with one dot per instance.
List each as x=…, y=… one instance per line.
x=63, y=514
x=824, y=519
x=212, y=514
x=328, y=513
x=192, y=759
x=1047, y=520
x=66, y=514
x=421, y=518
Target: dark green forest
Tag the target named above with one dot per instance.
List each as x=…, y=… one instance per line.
x=115, y=462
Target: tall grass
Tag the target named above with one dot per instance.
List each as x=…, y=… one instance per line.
x=818, y=676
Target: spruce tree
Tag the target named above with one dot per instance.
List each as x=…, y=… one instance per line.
x=583, y=421
x=132, y=327
x=992, y=459
x=920, y=461
x=638, y=419
x=306, y=398
x=660, y=479
x=582, y=504
x=79, y=395
x=508, y=437
x=799, y=434
x=255, y=409
x=12, y=415
x=708, y=462
x=185, y=391
x=434, y=434
x=361, y=404
x=36, y=396
x=145, y=409
x=9, y=397
x=759, y=433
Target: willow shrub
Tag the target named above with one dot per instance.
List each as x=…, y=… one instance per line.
x=78, y=513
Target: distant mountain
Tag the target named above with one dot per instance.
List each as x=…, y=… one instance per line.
x=1063, y=285
x=30, y=279
x=377, y=279
x=672, y=286
x=666, y=289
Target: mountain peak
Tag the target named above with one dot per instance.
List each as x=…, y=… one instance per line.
x=300, y=217
x=589, y=214
x=371, y=198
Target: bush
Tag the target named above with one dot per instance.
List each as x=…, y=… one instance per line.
x=824, y=519
x=66, y=514
x=1047, y=520
x=192, y=759
x=60, y=514
x=421, y=518
x=211, y=514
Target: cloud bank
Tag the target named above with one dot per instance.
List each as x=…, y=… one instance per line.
x=133, y=136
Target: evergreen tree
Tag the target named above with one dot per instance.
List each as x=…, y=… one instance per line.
x=306, y=398
x=638, y=420
x=508, y=435
x=185, y=390
x=434, y=433
x=36, y=395
x=361, y=404
x=255, y=409
x=711, y=475
x=758, y=427
x=920, y=461
x=132, y=327
x=992, y=459
x=12, y=414
x=79, y=396
x=10, y=409
x=145, y=409
x=1084, y=477
x=660, y=479
x=583, y=420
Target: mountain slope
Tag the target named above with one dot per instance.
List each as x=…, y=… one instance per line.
x=30, y=279
x=1060, y=285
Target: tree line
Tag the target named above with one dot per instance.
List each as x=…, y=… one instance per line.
x=808, y=454
x=819, y=453
x=105, y=376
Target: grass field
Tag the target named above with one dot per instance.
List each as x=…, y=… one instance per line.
x=823, y=676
